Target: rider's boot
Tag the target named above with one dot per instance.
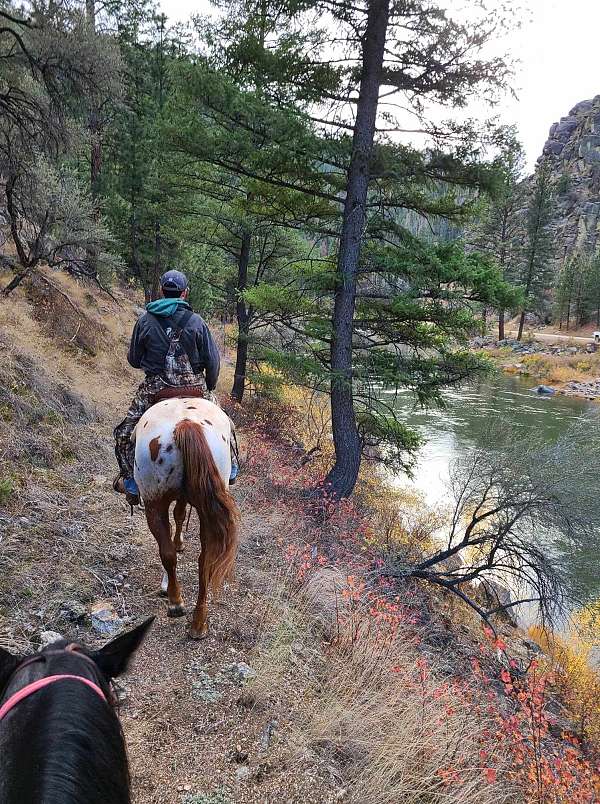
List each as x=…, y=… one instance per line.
x=128, y=487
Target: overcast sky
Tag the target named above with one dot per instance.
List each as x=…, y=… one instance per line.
x=559, y=51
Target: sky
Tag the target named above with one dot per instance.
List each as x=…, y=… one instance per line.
x=558, y=50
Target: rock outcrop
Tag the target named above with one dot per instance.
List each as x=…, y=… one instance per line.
x=573, y=151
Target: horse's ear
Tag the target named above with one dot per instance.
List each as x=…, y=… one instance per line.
x=8, y=664
x=114, y=657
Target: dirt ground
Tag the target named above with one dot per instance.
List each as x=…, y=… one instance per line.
x=212, y=722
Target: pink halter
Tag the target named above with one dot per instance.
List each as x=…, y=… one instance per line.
x=25, y=692
x=45, y=681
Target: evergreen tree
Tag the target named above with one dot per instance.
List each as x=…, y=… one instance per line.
x=360, y=53
x=51, y=63
x=142, y=204
x=536, y=274
x=593, y=287
x=500, y=229
x=563, y=294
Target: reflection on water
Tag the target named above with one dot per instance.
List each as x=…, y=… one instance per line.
x=466, y=423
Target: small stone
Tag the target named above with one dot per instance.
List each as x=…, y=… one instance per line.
x=267, y=734
x=240, y=672
x=73, y=610
x=49, y=638
x=99, y=480
x=243, y=773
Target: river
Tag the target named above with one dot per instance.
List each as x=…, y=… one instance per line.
x=465, y=423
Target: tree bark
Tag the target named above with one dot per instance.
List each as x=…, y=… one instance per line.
x=156, y=273
x=521, y=325
x=501, y=325
x=243, y=321
x=342, y=477
x=95, y=128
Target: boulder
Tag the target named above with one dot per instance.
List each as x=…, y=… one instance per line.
x=49, y=638
x=545, y=390
x=323, y=593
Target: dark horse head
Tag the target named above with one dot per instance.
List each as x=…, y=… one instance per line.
x=60, y=739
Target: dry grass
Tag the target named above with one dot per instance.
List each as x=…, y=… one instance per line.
x=555, y=369
x=402, y=732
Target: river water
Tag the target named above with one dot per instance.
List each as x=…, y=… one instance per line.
x=465, y=423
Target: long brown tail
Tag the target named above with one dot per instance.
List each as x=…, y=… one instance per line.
x=217, y=511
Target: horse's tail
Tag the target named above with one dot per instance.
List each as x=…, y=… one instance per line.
x=217, y=511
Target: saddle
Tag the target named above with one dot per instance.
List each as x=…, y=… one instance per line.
x=182, y=391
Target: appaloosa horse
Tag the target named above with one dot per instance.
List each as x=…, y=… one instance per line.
x=60, y=739
x=182, y=455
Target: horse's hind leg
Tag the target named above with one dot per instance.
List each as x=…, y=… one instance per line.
x=199, y=628
x=157, y=516
x=179, y=516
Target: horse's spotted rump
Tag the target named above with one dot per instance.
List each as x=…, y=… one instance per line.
x=208, y=421
x=223, y=437
x=154, y=447
x=169, y=448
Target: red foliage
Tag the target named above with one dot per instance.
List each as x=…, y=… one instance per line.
x=547, y=768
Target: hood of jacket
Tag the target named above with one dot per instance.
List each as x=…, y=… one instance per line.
x=166, y=307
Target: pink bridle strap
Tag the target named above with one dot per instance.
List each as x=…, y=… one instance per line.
x=28, y=690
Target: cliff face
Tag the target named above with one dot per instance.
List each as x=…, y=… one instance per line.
x=573, y=151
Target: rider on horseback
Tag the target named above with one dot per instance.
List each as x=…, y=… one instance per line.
x=173, y=345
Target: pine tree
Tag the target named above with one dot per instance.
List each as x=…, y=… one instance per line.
x=563, y=294
x=500, y=228
x=379, y=299
x=593, y=287
x=536, y=271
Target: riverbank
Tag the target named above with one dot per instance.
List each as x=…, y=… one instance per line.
x=568, y=368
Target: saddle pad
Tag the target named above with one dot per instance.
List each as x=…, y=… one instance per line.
x=182, y=391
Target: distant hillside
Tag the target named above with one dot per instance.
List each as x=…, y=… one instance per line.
x=573, y=150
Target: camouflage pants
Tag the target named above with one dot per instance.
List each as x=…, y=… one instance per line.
x=143, y=399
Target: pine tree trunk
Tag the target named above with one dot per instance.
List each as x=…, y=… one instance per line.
x=342, y=478
x=521, y=325
x=157, y=270
x=501, y=325
x=95, y=128
x=243, y=321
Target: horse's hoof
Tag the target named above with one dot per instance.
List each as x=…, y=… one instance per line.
x=180, y=548
x=162, y=592
x=194, y=633
x=176, y=611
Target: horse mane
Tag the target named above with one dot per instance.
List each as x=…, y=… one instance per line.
x=89, y=765
x=217, y=511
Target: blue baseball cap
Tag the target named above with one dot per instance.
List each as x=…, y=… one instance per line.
x=174, y=280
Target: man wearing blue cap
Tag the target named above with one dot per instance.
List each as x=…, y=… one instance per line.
x=173, y=345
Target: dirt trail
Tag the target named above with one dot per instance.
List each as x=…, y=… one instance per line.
x=202, y=723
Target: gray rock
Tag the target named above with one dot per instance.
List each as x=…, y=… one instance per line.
x=204, y=688
x=239, y=672
x=532, y=646
x=267, y=735
x=74, y=610
x=243, y=774
x=49, y=638
x=105, y=619
x=545, y=390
